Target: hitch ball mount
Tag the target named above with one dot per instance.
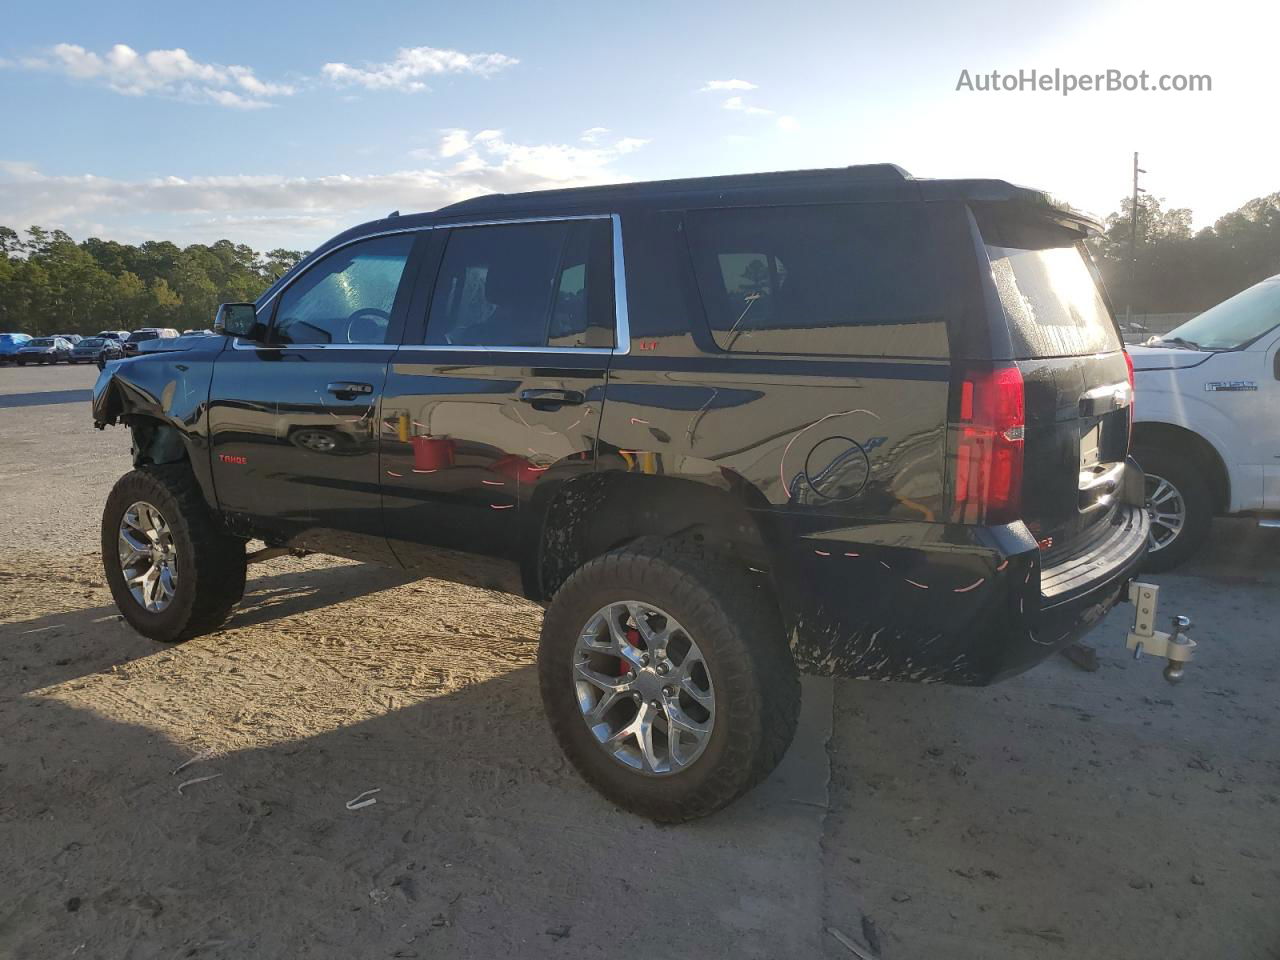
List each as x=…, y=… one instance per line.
x=1176, y=647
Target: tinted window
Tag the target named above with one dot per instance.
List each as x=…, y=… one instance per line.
x=347, y=296
x=525, y=285
x=139, y=335
x=852, y=279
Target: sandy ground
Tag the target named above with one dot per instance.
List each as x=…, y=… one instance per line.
x=1061, y=814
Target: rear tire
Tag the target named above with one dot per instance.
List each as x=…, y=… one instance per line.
x=725, y=617
x=1185, y=495
x=207, y=565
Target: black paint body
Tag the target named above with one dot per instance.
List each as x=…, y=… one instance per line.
x=451, y=452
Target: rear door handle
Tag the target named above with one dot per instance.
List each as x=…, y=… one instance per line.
x=551, y=399
x=346, y=389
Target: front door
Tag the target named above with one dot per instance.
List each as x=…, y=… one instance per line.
x=497, y=391
x=293, y=421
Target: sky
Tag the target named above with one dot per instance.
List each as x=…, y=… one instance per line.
x=279, y=124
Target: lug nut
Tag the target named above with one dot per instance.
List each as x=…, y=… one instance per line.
x=664, y=669
x=644, y=659
x=636, y=697
x=655, y=704
x=631, y=675
x=668, y=691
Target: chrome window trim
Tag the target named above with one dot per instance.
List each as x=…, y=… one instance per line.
x=621, y=318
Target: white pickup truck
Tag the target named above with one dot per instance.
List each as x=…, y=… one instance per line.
x=1207, y=421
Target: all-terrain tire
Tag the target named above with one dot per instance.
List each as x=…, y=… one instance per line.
x=1185, y=476
x=210, y=563
x=735, y=622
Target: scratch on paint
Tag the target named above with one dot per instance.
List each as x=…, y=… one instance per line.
x=972, y=586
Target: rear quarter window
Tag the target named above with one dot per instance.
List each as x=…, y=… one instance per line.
x=851, y=279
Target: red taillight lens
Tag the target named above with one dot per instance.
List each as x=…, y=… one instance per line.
x=1133, y=393
x=987, y=443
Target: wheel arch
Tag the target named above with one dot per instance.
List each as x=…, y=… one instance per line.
x=589, y=515
x=1172, y=437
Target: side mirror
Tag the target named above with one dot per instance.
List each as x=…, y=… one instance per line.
x=238, y=320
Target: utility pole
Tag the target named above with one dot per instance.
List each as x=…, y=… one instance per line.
x=1133, y=239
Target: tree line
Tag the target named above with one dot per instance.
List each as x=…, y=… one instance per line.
x=49, y=283
x=1177, y=270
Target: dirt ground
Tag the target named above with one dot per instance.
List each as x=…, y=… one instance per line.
x=1060, y=814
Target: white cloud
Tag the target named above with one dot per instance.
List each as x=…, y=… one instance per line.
x=299, y=211
x=713, y=85
x=165, y=73
x=412, y=64
x=737, y=103
x=788, y=123
x=593, y=134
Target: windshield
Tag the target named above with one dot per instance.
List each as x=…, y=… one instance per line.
x=42, y=342
x=1233, y=323
x=91, y=342
x=138, y=335
x=12, y=338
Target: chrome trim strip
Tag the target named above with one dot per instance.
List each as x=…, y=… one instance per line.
x=459, y=348
x=239, y=344
x=621, y=317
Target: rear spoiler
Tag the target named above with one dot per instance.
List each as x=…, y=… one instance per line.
x=1002, y=198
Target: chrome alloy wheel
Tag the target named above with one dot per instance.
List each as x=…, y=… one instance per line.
x=1166, y=510
x=147, y=556
x=644, y=688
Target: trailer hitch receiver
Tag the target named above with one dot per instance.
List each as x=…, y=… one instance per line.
x=1176, y=647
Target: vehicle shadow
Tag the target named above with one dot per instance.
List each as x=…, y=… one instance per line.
x=482, y=842
x=58, y=647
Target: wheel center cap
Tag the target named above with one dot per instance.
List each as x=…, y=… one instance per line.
x=648, y=683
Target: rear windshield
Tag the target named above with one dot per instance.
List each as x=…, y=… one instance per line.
x=91, y=342
x=139, y=335
x=1051, y=301
x=42, y=342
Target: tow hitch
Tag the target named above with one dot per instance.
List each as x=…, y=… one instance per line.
x=1176, y=647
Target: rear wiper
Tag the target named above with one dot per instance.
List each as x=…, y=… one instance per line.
x=1181, y=342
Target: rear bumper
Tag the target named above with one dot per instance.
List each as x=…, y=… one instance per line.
x=942, y=603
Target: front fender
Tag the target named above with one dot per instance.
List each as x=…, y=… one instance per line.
x=169, y=391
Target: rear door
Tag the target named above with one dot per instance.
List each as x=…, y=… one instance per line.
x=1064, y=339
x=293, y=422
x=497, y=390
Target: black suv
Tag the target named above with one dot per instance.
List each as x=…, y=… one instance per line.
x=732, y=429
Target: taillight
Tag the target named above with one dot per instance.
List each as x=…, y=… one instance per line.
x=1133, y=393
x=987, y=437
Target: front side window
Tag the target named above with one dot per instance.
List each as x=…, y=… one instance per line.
x=1234, y=323
x=840, y=279
x=525, y=285
x=347, y=297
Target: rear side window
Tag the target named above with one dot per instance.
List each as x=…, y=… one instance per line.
x=865, y=279
x=525, y=285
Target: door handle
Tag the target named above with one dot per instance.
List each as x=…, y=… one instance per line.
x=346, y=390
x=551, y=399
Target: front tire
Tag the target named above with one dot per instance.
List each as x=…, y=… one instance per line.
x=173, y=572
x=1179, y=504
x=667, y=679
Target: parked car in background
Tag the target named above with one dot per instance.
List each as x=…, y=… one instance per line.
x=203, y=332
x=44, y=350
x=143, y=334
x=10, y=343
x=878, y=429
x=121, y=335
x=71, y=338
x=96, y=350
x=1207, y=424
